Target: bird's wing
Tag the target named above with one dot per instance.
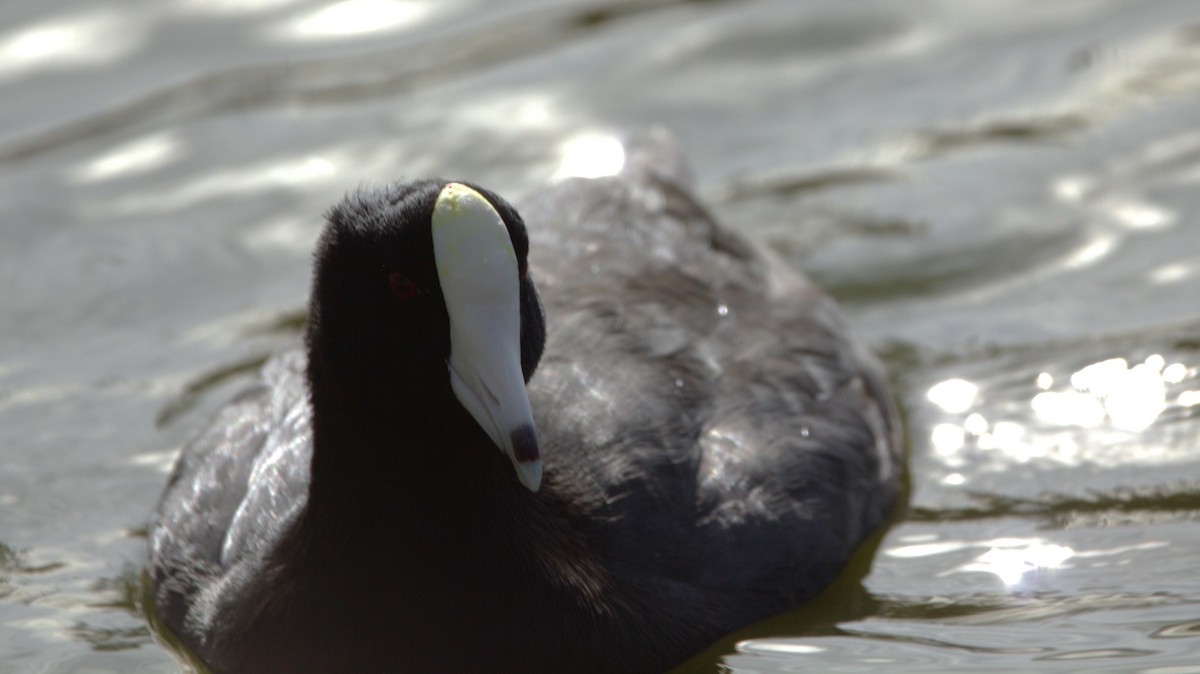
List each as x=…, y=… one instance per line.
x=235, y=487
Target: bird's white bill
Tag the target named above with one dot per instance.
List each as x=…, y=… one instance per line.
x=477, y=270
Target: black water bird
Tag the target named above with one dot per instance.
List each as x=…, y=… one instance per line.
x=449, y=478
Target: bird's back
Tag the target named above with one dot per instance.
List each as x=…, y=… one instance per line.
x=732, y=441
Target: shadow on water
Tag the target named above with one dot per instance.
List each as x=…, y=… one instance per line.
x=15, y=571
x=121, y=593
x=12, y=563
x=1040, y=130
x=285, y=324
x=196, y=389
x=780, y=186
x=999, y=609
x=1145, y=505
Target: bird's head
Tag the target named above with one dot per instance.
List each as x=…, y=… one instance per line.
x=421, y=296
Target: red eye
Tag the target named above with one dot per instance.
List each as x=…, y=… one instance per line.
x=401, y=286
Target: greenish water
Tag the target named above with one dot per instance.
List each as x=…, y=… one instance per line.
x=1004, y=194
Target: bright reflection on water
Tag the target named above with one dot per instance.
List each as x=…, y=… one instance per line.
x=1140, y=215
x=1173, y=272
x=137, y=156
x=234, y=7
x=590, y=155
x=763, y=647
x=953, y=395
x=351, y=18
x=281, y=173
x=1130, y=398
x=92, y=38
x=1092, y=252
x=1021, y=564
x=1018, y=562
x=1110, y=398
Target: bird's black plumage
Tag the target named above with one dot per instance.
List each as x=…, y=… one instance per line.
x=715, y=445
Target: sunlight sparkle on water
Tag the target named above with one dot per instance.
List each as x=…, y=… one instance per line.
x=1105, y=401
x=1130, y=397
x=1073, y=188
x=1140, y=215
x=1005, y=435
x=975, y=424
x=1174, y=373
x=287, y=172
x=948, y=439
x=1016, y=562
x=233, y=7
x=1045, y=380
x=926, y=549
x=1068, y=408
x=776, y=646
x=1172, y=272
x=92, y=38
x=590, y=155
x=137, y=156
x=351, y=18
x=1092, y=252
x=953, y=395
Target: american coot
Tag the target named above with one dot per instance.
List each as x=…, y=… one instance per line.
x=702, y=445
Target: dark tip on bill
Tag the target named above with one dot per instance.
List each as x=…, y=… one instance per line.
x=524, y=443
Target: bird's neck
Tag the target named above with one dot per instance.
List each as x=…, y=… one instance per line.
x=399, y=455
x=423, y=505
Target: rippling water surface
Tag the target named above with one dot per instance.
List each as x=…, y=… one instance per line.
x=1004, y=194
